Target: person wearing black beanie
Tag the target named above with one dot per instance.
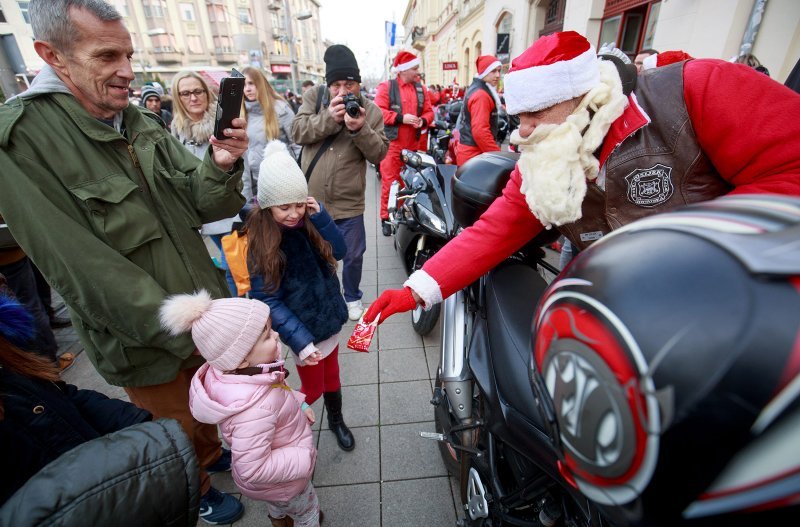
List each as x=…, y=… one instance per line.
x=337, y=143
x=340, y=65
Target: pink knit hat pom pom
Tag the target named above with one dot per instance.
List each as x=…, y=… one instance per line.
x=179, y=312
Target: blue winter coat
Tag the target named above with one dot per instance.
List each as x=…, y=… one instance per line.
x=308, y=306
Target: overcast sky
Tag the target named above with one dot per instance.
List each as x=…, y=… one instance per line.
x=359, y=24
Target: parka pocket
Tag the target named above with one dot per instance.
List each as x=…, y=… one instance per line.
x=183, y=188
x=119, y=212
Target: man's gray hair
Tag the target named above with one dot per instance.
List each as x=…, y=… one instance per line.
x=51, y=22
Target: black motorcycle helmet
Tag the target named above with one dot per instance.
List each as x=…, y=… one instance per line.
x=667, y=360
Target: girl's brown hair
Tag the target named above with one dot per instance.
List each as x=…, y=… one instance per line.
x=25, y=363
x=266, y=97
x=264, y=253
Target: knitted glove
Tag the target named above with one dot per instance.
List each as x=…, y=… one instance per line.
x=390, y=302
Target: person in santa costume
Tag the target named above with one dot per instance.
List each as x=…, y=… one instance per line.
x=593, y=160
x=658, y=60
x=403, y=118
x=478, y=126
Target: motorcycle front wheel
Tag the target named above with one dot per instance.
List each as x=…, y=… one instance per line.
x=424, y=320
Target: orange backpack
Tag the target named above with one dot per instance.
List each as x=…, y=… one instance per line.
x=235, y=247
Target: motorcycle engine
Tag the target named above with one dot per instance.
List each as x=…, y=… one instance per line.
x=670, y=351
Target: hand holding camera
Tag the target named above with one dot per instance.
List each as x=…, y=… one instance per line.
x=354, y=113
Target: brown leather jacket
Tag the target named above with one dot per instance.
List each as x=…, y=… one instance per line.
x=659, y=167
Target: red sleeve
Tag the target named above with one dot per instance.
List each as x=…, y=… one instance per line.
x=505, y=227
x=480, y=109
x=382, y=100
x=747, y=124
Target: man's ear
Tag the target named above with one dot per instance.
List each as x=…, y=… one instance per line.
x=51, y=56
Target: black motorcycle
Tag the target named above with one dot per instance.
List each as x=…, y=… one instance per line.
x=422, y=219
x=623, y=393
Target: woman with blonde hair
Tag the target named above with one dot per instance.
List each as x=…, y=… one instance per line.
x=269, y=117
x=193, y=124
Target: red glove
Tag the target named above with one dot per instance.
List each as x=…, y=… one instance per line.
x=390, y=302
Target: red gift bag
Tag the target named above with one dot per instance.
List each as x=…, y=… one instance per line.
x=362, y=335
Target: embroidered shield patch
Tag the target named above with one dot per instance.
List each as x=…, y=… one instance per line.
x=650, y=187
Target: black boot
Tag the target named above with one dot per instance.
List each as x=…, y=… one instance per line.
x=333, y=404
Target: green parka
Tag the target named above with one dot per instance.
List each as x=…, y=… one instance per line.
x=112, y=222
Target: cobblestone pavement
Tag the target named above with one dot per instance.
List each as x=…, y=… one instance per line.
x=393, y=477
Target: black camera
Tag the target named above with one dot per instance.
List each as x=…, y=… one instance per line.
x=351, y=105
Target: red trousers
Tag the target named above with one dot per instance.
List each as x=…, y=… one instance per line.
x=322, y=377
x=390, y=171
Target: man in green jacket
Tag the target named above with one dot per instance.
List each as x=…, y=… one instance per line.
x=108, y=205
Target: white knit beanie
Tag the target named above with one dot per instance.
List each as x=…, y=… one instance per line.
x=224, y=330
x=280, y=180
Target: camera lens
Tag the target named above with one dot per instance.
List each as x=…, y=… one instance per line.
x=353, y=109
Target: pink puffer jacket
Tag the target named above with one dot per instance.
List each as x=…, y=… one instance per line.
x=260, y=418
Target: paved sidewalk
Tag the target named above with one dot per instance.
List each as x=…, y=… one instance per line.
x=393, y=477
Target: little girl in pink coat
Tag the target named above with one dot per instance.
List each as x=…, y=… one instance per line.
x=241, y=388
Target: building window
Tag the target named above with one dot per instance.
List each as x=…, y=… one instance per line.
x=122, y=7
x=163, y=43
x=187, y=12
x=153, y=8
x=553, y=18
x=610, y=30
x=650, y=30
x=23, y=8
x=216, y=13
x=195, y=44
x=552, y=12
x=244, y=16
x=277, y=21
x=223, y=45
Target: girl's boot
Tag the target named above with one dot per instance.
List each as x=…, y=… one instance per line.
x=333, y=404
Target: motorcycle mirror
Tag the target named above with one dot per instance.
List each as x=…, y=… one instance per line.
x=411, y=158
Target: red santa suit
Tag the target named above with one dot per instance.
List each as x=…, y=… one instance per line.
x=744, y=122
x=482, y=105
x=407, y=136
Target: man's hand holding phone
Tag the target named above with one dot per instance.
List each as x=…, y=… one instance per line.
x=227, y=151
x=229, y=141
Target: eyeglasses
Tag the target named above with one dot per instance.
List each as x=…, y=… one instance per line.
x=199, y=92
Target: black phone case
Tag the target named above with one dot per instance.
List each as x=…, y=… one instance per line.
x=229, y=104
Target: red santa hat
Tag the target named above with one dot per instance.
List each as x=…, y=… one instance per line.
x=404, y=61
x=556, y=68
x=662, y=59
x=486, y=64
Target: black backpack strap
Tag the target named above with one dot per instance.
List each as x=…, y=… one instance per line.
x=325, y=144
x=322, y=93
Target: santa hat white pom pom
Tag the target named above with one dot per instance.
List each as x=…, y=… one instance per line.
x=179, y=312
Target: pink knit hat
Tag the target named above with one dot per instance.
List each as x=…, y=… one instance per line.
x=224, y=330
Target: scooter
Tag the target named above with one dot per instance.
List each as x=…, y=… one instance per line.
x=623, y=393
x=421, y=219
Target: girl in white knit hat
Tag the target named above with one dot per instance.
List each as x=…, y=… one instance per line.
x=241, y=388
x=293, y=245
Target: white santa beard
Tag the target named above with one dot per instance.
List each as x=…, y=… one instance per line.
x=553, y=178
x=556, y=160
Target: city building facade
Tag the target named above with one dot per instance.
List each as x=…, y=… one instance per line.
x=282, y=37
x=452, y=33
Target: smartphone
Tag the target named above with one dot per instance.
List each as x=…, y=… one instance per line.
x=229, y=102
